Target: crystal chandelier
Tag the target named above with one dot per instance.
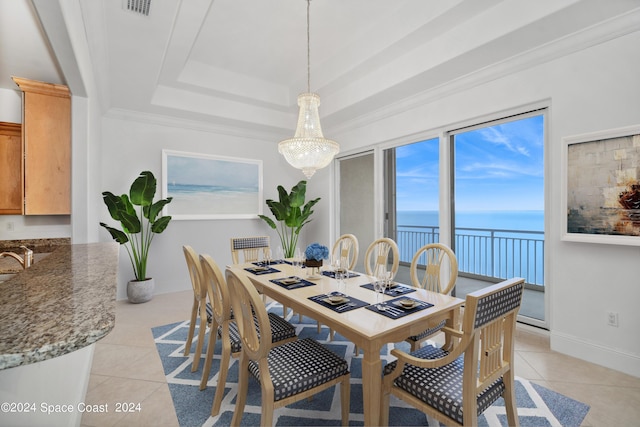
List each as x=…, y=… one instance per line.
x=308, y=150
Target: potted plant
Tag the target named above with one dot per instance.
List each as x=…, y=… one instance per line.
x=292, y=214
x=138, y=229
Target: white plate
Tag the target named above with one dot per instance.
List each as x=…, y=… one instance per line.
x=289, y=281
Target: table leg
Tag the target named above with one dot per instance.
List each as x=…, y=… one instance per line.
x=371, y=386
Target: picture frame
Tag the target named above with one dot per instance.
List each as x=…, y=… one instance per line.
x=205, y=186
x=601, y=187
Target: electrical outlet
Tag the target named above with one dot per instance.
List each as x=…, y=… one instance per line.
x=10, y=226
x=612, y=318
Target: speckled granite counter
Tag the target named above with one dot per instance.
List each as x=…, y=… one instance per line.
x=62, y=303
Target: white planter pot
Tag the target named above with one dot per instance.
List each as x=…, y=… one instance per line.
x=139, y=291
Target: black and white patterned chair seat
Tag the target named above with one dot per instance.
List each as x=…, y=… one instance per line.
x=428, y=332
x=300, y=365
x=280, y=330
x=441, y=387
x=209, y=311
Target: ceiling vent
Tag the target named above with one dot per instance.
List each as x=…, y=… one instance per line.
x=137, y=6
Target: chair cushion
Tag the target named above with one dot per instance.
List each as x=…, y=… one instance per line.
x=428, y=332
x=300, y=365
x=280, y=330
x=441, y=387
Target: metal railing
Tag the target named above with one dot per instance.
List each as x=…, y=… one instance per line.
x=483, y=253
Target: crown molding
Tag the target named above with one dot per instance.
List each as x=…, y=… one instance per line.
x=597, y=34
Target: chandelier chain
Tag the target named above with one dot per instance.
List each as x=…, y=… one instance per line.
x=308, y=50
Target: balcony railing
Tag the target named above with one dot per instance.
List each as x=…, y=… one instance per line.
x=483, y=253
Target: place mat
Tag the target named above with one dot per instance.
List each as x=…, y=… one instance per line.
x=395, y=311
x=292, y=282
x=267, y=264
x=339, y=307
x=258, y=270
x=332, y=274
x=392, y=292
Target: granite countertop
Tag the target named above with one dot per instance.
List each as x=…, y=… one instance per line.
x=63, y=303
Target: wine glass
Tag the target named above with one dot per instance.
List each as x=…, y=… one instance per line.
x=267, y=257
x=379, y=285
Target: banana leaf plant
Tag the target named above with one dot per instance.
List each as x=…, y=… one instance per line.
x=138, y=227
x=292, y=214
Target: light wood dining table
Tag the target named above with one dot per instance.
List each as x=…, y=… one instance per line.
x=367, y=329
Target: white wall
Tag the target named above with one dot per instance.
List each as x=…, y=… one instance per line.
x=129, y=147
x=593, y=89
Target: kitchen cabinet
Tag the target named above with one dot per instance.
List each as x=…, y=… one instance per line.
x=46, y=143
x=11, y=172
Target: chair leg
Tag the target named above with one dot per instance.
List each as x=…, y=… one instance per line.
x=192, y=327
x=222, y=381
x=509, y=396
x=243, y=386
x=201, y=334
x=207, y=363
x=345, y=398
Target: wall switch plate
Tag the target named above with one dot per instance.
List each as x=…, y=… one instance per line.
x=612, y=318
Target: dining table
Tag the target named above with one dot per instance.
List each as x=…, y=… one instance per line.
x=356, y=317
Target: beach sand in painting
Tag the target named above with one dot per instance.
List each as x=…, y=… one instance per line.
x=214, y=203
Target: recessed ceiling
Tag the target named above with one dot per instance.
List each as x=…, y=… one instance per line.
x=243, y=62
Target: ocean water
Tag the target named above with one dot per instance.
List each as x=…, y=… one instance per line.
x=212, y=200
x=503, y=220
x=501, y=244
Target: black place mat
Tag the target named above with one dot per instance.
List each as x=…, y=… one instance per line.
x=332, y=274
x=267, y=264
x=303, y=283
x=395, y=291
x=397, y=312
x=319, y=299
x=259, y=273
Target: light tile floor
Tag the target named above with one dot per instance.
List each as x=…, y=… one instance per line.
x=127, y=368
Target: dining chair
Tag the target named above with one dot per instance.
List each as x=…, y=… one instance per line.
x=346, y=247
x=250, y=247
x=200, y=308
x=455, y=387
x=435, y=268
x=225, y=327
x=286, y=373
x=376, y=258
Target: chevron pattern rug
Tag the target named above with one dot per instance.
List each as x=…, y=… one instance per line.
x=537, y=405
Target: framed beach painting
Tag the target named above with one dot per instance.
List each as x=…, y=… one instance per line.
x=601, y=188
x=211, y=187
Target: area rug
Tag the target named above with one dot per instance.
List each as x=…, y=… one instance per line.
x=537, y=405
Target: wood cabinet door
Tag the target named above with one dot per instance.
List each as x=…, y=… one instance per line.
x=47, y=140
x=11, y=173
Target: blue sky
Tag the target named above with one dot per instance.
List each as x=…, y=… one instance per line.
x=497, y=168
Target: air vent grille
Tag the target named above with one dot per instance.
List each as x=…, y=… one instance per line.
x=138, y=6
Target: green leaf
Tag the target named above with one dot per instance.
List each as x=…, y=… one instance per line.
x=116, y=234
x=298, y=193
x=159, y=226
x=269, y=221
x=156, y=208
x=143, y=189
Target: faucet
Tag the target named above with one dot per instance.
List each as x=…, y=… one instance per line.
x=25, y=261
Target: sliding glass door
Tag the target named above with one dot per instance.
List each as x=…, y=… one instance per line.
x=498, y=215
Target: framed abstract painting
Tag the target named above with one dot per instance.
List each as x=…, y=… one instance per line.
x=601, y=188
x=206, y=186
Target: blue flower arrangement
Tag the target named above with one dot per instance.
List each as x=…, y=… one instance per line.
x=316, y=252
